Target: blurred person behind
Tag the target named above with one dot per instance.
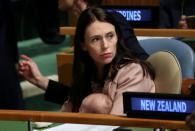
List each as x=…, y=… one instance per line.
x=10, y=90
x=174, y=12
x=190, y=121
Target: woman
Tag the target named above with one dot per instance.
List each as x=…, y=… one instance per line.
x=102, y=64
x=130, y=40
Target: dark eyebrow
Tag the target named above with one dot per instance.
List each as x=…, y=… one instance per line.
x=111, y=32
x=94, y=36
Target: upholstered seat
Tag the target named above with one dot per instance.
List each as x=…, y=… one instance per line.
x=181, y=50
x=168, y=72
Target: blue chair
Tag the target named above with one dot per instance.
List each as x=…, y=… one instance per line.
x=181, y=50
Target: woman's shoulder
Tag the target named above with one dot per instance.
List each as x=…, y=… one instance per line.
x=129, y=70
x=131, y=67
x=132, y=78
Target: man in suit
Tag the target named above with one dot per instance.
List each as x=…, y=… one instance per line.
x=10, y=90
x=173, y=12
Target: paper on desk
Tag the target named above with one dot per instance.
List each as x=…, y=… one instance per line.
x=81, y=127
x=150, y=37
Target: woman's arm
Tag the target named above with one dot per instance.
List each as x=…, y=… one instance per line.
x=55, y=91
x=30, y=71
x=129, y=79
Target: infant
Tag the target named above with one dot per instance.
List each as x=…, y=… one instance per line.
x=96, y=103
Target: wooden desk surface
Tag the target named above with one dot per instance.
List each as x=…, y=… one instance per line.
x=145, y=32
x=132, y=2
x=81, y=118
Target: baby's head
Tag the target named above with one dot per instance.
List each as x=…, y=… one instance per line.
x=96, y=103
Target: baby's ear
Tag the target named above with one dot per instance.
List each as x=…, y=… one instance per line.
x=83, y=47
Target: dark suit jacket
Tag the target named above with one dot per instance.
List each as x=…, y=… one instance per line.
x=171, y=11
x=10, y=91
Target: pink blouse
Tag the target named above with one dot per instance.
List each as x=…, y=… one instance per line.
x=129, y=78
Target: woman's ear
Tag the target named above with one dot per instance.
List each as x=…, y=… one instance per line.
x=83, y=47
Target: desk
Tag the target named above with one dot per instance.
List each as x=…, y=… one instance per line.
x=132, y=2
x=81, y=118
x=22, y=126
x=145, y=32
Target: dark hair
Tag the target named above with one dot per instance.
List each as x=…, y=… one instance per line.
x=93, y=3
x=83, y=67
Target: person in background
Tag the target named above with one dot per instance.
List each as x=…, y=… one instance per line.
x=129, y=37
x=39, y=18
x=190, y=121
x=65, y=4
x=183, y=23
x=10, y=94
x=48, y=21
x=102, y=64
x=174, y=12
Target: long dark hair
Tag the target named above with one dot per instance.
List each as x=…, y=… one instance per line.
x=84, y=65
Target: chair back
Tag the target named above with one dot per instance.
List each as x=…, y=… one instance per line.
x=168, y=72
x=181, y=50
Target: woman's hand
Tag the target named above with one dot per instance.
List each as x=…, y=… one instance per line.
x=29, y=70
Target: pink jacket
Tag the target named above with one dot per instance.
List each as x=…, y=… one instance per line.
x=129, y=78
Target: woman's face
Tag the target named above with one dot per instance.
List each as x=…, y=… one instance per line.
x=100, y=42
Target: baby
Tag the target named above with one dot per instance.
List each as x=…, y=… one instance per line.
x=96, y=103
